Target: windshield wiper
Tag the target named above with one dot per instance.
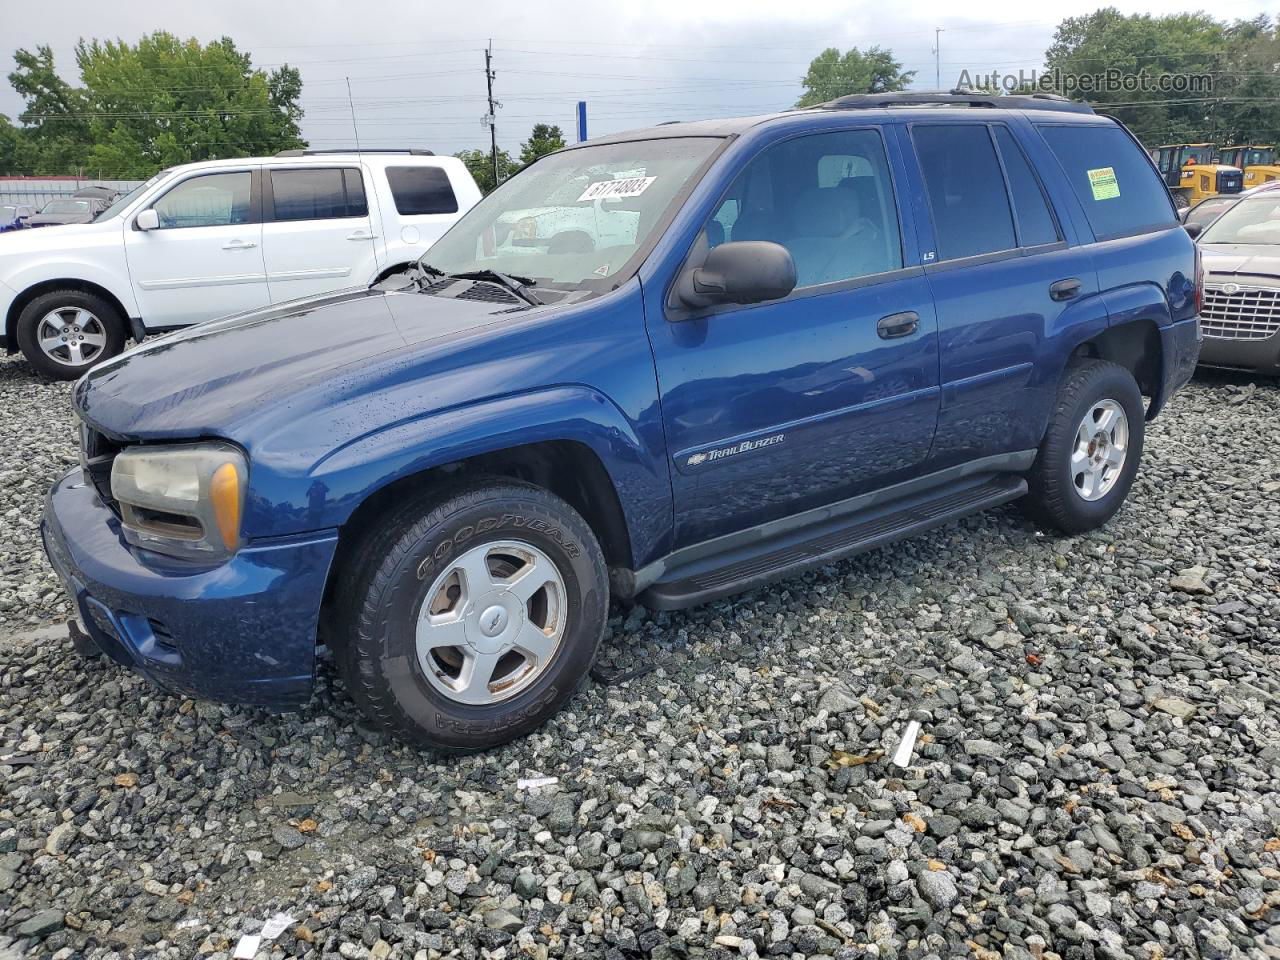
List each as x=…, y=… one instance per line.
x=520, y=286
x=421, y=271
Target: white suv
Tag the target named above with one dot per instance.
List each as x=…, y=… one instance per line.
x=210, y=239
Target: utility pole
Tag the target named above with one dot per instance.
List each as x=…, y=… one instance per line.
x=937, y=57
x=492, y=119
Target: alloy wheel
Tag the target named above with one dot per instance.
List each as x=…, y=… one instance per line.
x=491, y=622
x=1102, y=444
x=71, y=336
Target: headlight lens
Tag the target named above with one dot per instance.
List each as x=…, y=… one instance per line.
x=184, y=500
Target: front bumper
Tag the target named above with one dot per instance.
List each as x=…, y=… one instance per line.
x=242, y=632
x=1255, y=356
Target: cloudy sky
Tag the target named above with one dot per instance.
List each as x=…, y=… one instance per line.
x=417, y=75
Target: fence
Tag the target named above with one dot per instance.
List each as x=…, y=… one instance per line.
x=37, y=191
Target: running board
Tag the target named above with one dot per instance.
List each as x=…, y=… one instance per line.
x=753, y=564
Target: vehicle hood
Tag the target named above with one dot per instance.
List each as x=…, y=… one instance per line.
x=209, y=379
x=1244, y=259
x=43, y=241
x=58, y=219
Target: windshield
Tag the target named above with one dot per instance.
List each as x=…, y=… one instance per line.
x=576, y=219
x=1258, y=157
x=66, y=206
x=1253, y=220
x=1198, y=155
x=1208, y=210
x=126, y=199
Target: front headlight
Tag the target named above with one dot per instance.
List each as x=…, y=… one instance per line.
x=184, y=500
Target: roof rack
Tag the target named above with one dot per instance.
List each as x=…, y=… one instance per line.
x=414, y=151
x=957, y=98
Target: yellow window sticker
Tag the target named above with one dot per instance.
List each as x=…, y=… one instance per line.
x=1103, y=183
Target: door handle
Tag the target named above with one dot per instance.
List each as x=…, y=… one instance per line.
x=1067, y=289
x=239, y=245
x=898, y=325
x=360, y=235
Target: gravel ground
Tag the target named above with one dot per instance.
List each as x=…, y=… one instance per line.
x=1096, y=775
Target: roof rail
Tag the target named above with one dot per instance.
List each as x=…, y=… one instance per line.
x=414, y=151
x=957, y=98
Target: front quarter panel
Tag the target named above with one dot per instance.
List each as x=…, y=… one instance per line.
x=583, y=375
x=92, y=252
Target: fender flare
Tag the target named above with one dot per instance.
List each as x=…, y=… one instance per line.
x=362, y=466
x=1129, y=306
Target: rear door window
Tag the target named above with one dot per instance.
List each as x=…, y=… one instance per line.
x=967, y=198
x=421, y=191
x=1030, y=209
x=317, y=194
x=1112, y=178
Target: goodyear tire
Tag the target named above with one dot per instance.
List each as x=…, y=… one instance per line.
x=1090, y=452
x=467, y=619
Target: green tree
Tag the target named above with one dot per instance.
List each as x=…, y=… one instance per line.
x=152, y=104
x=10, y=140
x=480, y=163
x=833, y=74
x=54, y=137
x=543, y=140
x=1250, y=84
x=1141, y=44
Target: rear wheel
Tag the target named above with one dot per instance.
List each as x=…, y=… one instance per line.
x=466, y=620
x=1091, y=449
x=63, y=333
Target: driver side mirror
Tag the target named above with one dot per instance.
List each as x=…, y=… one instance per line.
x=1193, y=229
x=745, y=271
x=147, y=220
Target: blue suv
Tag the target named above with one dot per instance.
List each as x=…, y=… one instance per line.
x=660, y=366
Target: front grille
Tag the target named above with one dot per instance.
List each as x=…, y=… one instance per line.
x=1230, y=182
x=1247, y=313
x=97, y=454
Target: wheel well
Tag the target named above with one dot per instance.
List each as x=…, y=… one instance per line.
x=45, y=286
x=1134, y=346
x=568, y=469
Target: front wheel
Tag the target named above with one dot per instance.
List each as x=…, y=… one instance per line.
x=1091, y=449
x=467, y=619
x=63, y=333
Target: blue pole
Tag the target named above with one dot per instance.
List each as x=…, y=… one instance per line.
x=582, y=120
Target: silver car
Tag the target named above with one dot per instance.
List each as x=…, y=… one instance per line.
x=1240, y=315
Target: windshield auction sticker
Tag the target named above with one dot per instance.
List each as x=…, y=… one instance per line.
x=617, y=189
x=1103, y=183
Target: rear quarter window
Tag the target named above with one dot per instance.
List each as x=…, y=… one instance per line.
x=1112, y=178
x=421, y=190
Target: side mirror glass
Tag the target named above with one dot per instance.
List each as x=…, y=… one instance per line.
x=746, y=271
x=1193, y=229
x=147, y=220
